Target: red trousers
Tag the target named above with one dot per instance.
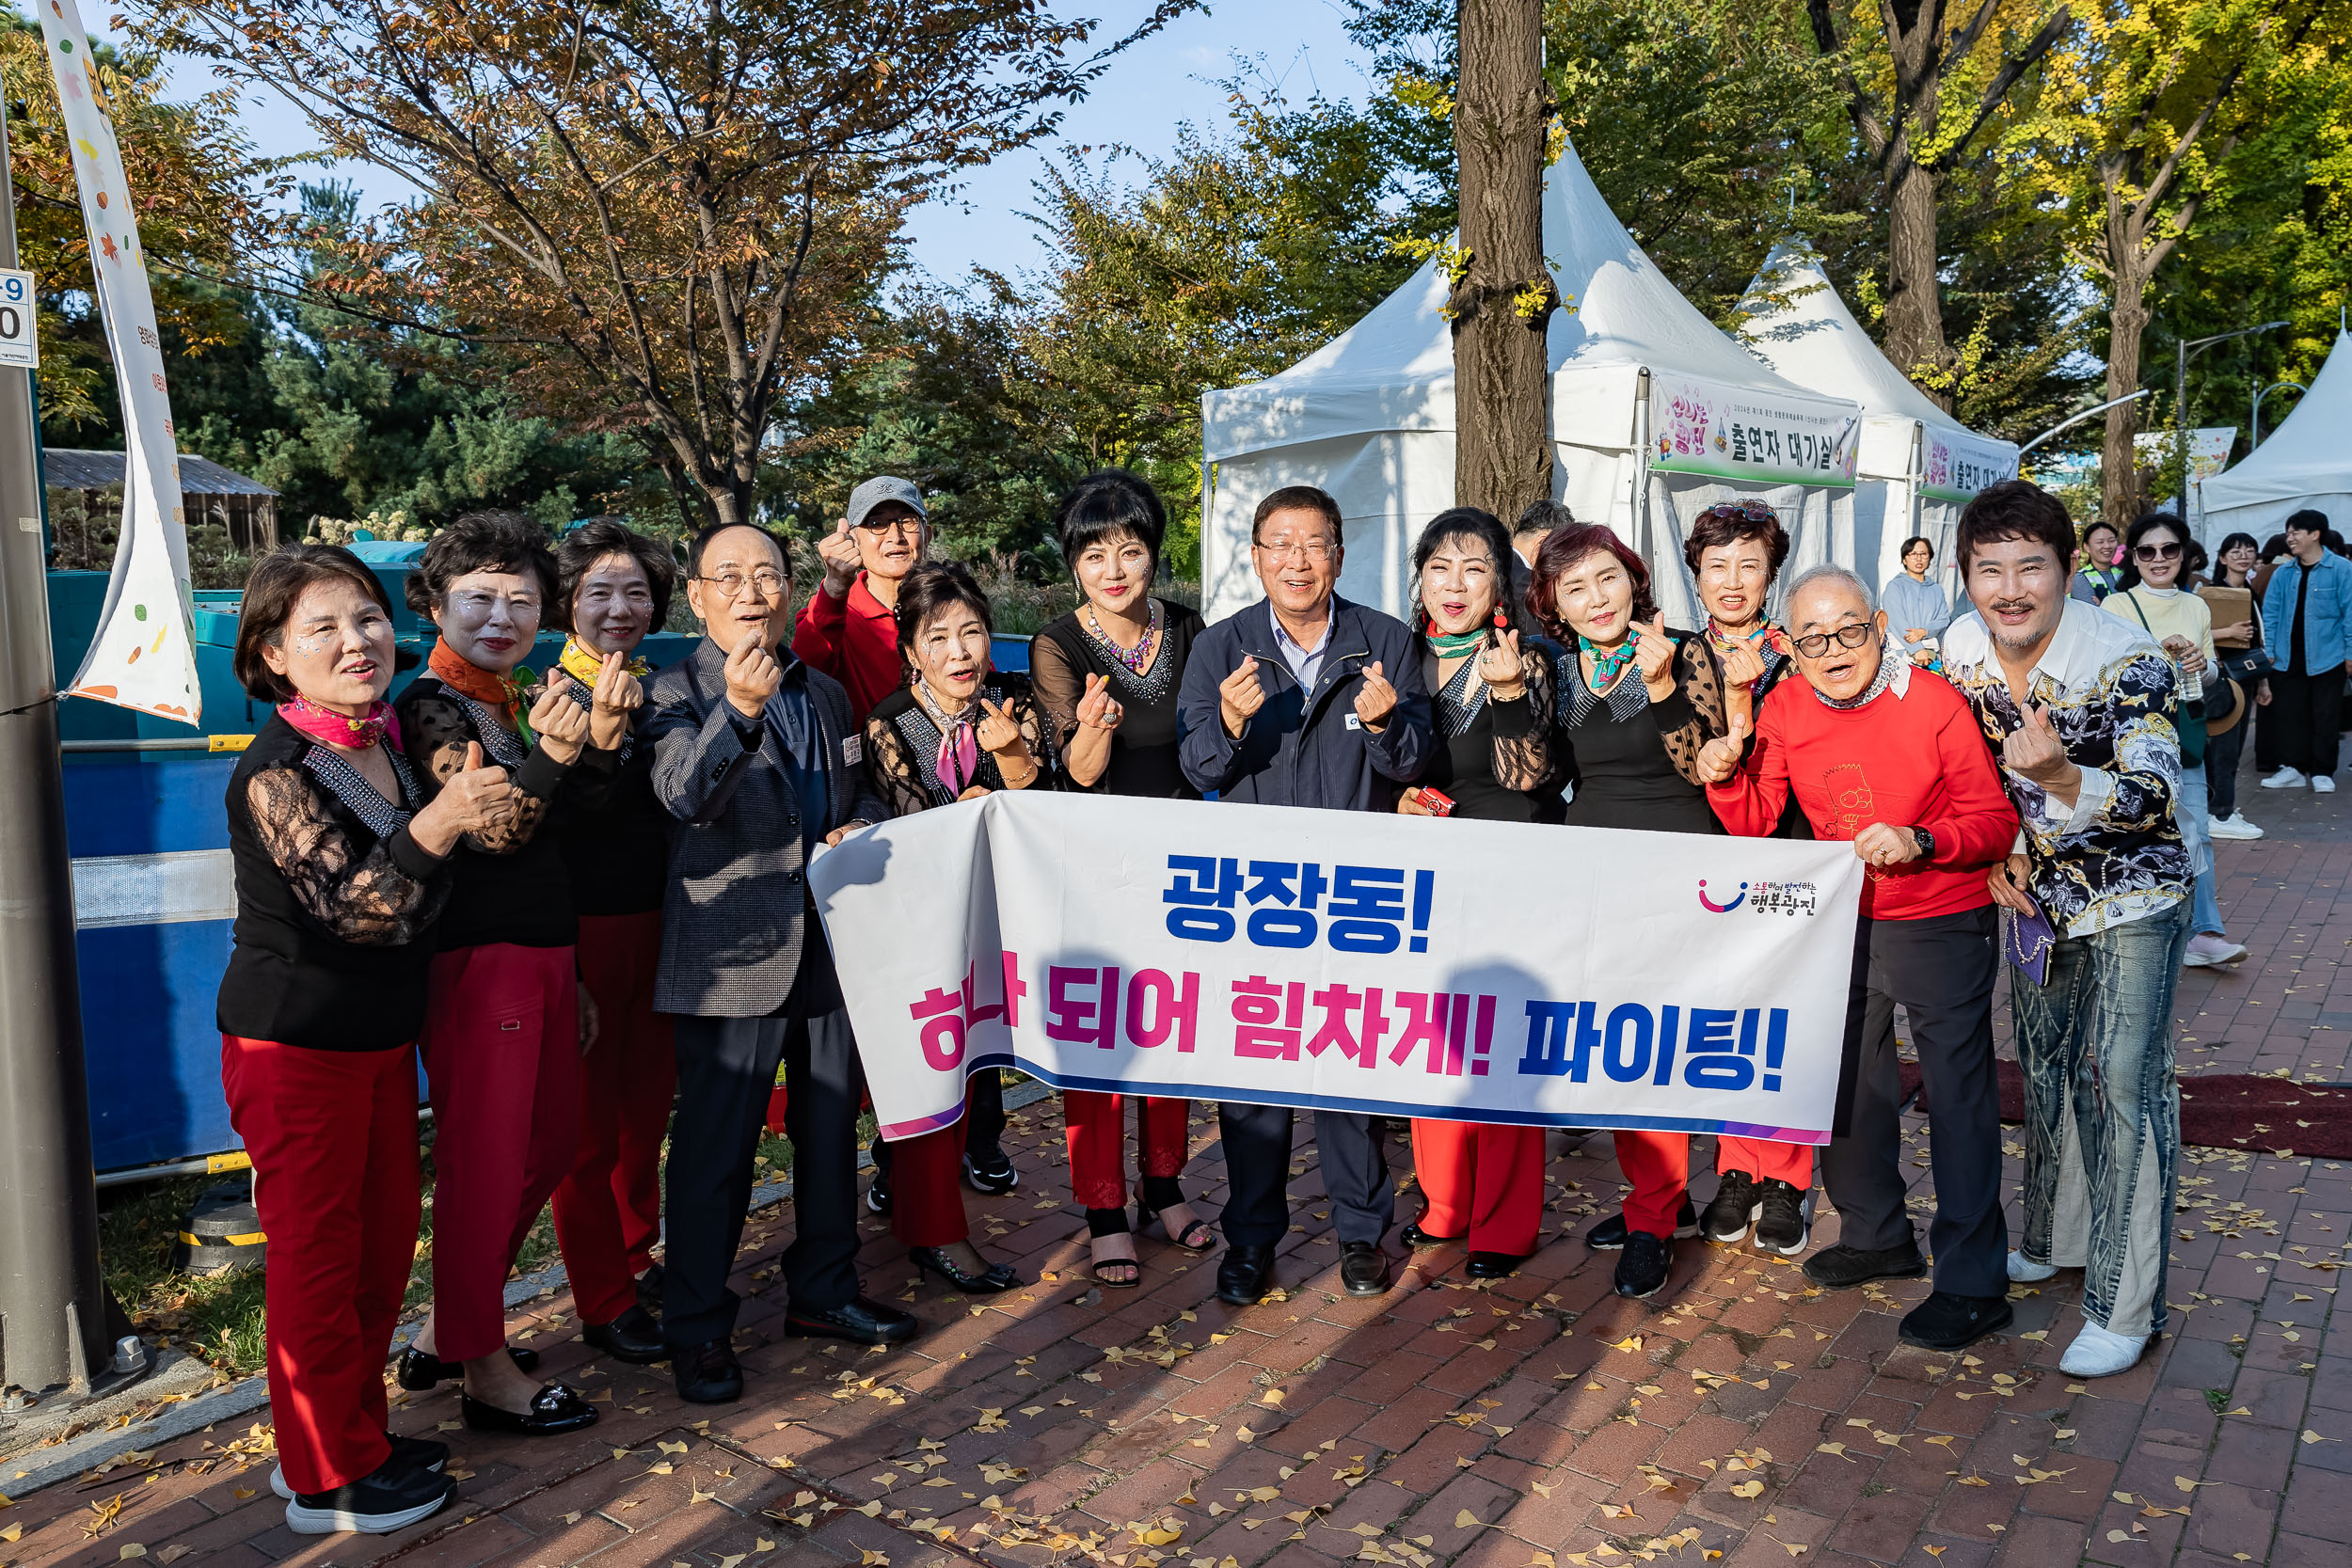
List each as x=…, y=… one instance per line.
x=608, y=1210
x=501, y=1058
x=926, y=1203
x=1659, y=1166
x=1093, y=1125
x=1483, y=1181
x=333, y=1138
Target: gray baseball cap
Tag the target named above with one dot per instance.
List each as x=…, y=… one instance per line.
x=874, y=492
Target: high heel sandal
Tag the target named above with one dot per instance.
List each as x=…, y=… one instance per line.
x=1147, y=1218
x=998, y=1279
x=1132, y=1263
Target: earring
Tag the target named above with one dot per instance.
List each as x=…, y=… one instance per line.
x=1501, y=619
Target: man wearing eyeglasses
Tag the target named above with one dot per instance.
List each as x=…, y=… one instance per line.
x=1888, y=757
x=849, y=630
x=1302, y=698
x=757, y=758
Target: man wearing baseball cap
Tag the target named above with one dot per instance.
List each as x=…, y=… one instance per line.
x=848, y=628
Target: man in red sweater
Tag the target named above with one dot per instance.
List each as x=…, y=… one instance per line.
x=849, y=630
x=1889, y=757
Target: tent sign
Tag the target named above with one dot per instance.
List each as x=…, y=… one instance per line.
x=20, y=342
x=1701, y=427
x=1953, y=467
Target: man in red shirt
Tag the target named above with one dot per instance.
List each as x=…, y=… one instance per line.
x=1890, y=758
x=849, y=628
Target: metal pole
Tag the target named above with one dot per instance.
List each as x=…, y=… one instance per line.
x=52, y=1316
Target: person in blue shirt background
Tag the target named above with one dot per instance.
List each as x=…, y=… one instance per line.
x=2308, y=611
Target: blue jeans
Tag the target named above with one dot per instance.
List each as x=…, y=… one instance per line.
x=2102, y=1113
x=2191, y=812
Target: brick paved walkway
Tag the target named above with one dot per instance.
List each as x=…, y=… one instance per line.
x=1743, y=1418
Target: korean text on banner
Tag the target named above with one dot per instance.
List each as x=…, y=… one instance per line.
x=1700, y=427
x=143, y=657
x=1954, y=467
x=1409, y=966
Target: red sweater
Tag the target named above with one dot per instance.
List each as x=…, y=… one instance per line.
x=1917, y=761
x=855, y=641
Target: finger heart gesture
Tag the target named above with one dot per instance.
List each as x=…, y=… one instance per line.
x=1375, y=699
x=997, y=729
x=1098, y=709
x=1500, y=667
x=1653, y=650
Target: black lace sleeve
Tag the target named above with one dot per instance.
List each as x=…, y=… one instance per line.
x=435, y=731
x=1694, y=714
x=384, y=898
x=892, y=771
x=1523, y=728
x=1058, y=685
x=1037, y=733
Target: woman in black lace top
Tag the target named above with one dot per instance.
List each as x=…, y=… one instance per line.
x=956, y=731
x=341, y=869
x=1107, y=674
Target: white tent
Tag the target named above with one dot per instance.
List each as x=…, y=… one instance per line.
x=1654, y=414
x=2305, y=462
x=1916, y=465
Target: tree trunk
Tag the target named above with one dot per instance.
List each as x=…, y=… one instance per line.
x=1915, y=308
x=1503, y=301
x=2119, y=471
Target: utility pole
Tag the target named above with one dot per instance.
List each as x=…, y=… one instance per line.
x=53, y=1304
x=1503, y=295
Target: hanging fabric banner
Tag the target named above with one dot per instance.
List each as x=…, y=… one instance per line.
x=1700, y=427
x=1398, y=965
x=143, y=656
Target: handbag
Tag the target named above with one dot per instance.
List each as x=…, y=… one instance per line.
x=2188, y=718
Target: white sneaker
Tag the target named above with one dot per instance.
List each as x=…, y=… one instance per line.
x=2205, y=950
x=2026, y=1270
x=2095, y=1352
x=2234, y=826
x=2285, y=778
x=2323, y=785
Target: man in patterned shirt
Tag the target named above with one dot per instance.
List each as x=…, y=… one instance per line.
x=2078, y=704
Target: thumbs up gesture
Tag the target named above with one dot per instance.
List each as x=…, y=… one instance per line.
x=1719, y=758
x=478, y=798
x=2033, y=751
x=1375, y=699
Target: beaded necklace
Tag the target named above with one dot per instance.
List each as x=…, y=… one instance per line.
x=1134, y=661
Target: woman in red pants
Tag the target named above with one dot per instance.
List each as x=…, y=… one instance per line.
x=1482, y=1183
x=1107, y=674
x=957, y=729
x=341, y=869
x=613, y=587
x=504, y=1023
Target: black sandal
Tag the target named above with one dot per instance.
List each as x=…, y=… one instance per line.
x=1147, y=1218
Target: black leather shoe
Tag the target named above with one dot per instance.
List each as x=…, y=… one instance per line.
x=1363, y=1268
x=1245, y=1274
x=649, y=1288
x=1643, y=1271
x=1842, y=1268
x=1493, y=1265
x=634, y=1336
x=862, y=1322
x=1414, y=1236
x=1947, y=1322
x=998, y=1279
x=1609, y=1235
x=707, y=1374
x=419, y=1371
x=991, y=1173
x=554, y=1409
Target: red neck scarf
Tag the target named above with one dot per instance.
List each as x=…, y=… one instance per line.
x=340, y=729
x=506, y=693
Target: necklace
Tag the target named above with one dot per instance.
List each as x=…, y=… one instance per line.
x=1140, y=655
x=1608, y=664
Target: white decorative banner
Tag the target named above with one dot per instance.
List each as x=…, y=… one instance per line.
x=1953, y=467
x=1700, y=427
x=143, y=657
x=1408, y=966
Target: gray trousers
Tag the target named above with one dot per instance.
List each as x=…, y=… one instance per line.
x=1257, y=1141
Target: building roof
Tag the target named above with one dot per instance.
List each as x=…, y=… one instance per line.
x=75, y=469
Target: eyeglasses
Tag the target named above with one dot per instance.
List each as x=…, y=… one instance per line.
x=2157, y=552
x=1753, y=512
x=730, y=584
x=1845, y=637
x=896, y=523
x=1282, y=549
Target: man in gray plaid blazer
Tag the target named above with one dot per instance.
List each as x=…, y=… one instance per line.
x=758, y=761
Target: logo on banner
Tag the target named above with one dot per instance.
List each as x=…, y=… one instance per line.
x=1709, y=904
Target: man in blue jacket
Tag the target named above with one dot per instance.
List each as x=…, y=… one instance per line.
x=1302, y=698
x=2307, y=613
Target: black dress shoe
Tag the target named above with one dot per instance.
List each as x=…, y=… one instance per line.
x=1946, y=1322
x=998, y=1279
x=1842, y=1267
x=1609, y=1235
x=708, y=1374
x=1363, y=1268
x=1414, y=1236
x=419, y=1371
x=1493, y=1265
x=554, y=1409
x=863, y=1321
x=634, y=1336
x=1245, y=1274
x=1643, y=1271
x=649, y=1288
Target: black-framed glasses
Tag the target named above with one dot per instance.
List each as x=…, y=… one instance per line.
x=2157, y=552
x=1753, y=512
x=892, y=523
x=1854, y=636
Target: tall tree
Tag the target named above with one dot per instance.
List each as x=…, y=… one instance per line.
x=668, y=213
x=1918, y=119
x=1503, y=295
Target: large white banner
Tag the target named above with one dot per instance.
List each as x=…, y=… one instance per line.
x=1413, y=966
x=143, y=656
x=1701, y=427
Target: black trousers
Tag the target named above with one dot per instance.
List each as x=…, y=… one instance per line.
x=1940, y=969
x=726, y=1068
x=1256, y=1172
x=2310, y=711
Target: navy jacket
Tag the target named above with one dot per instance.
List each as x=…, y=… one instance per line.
x=1305, y=747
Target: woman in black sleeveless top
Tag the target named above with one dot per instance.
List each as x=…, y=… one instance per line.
x=341, y=871
x=1482, y=1183
x=1108, y=675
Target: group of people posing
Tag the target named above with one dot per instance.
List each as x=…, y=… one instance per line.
x=581, y=899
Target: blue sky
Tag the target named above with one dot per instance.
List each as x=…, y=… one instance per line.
x=1296, y=44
